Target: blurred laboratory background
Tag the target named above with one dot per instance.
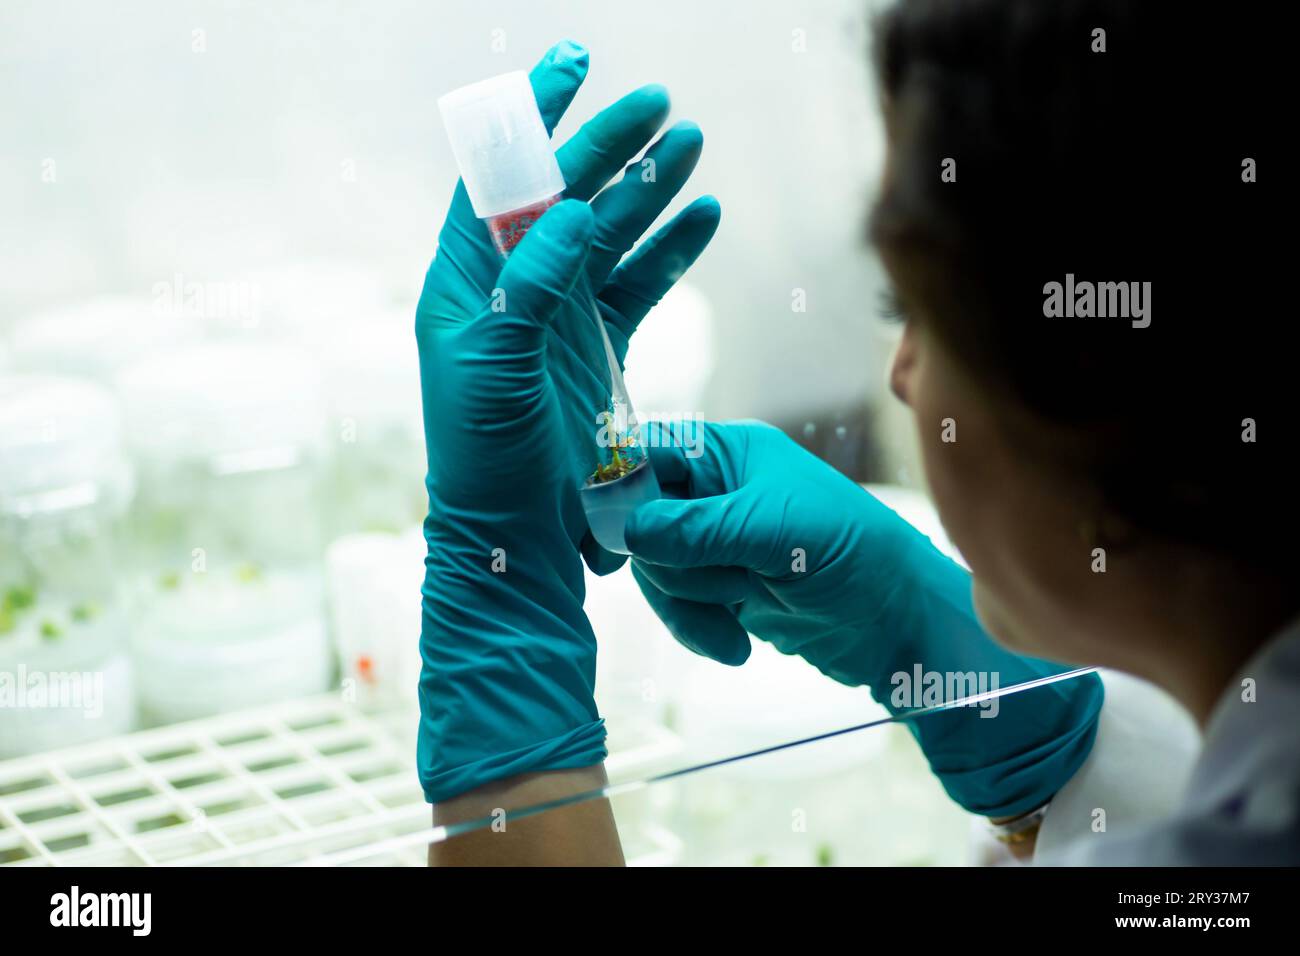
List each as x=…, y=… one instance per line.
x=217, y=220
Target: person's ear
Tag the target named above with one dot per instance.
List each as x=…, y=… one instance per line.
x=902, y=368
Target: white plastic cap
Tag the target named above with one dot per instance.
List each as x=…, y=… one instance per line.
x=500, y=144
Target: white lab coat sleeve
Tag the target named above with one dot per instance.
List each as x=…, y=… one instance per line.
x=1139, y=766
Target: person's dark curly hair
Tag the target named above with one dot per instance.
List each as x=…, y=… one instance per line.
x=1123, y=165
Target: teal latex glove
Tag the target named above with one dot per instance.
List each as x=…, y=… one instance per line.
x=761, y=537
x=510, y=399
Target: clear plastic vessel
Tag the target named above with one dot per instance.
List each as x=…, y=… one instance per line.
x=65, y=676
x=371, y=378
x=227, y=529
x=371, y=578
x=505, y=158
x=96, y=337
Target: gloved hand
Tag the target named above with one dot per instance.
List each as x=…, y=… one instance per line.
x=509, y=408
x=758, y=536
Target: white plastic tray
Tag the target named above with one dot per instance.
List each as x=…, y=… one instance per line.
x=311, y=781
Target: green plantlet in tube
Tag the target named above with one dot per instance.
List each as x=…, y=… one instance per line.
x=50, y=630
x=622, y=480
x=625, y=454
x=248, y=572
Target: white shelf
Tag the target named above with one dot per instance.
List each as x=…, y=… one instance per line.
x=312, y=781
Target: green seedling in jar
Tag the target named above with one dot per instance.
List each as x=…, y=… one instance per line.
x=85, y=612
x=19, y=597
x=50, y=630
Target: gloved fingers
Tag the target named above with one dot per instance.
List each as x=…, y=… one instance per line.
x=707, y=629
x=637, y=285
x=723, y=586
x=600, y=561
x=668, y=457
x=626, y=209
x=719, y=531
x=679, y=454
x=556, y=79
x=608, y=141
x=535, y=280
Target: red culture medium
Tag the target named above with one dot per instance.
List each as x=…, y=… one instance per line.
x=509, y=228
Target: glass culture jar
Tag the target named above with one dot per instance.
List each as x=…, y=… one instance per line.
x=96, y=337
x=227, y=528
x=65, y=483
x=376, y=425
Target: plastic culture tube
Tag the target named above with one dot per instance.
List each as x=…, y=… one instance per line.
x=511, y=176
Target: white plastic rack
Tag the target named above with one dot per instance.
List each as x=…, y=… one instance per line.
x=308, y=782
